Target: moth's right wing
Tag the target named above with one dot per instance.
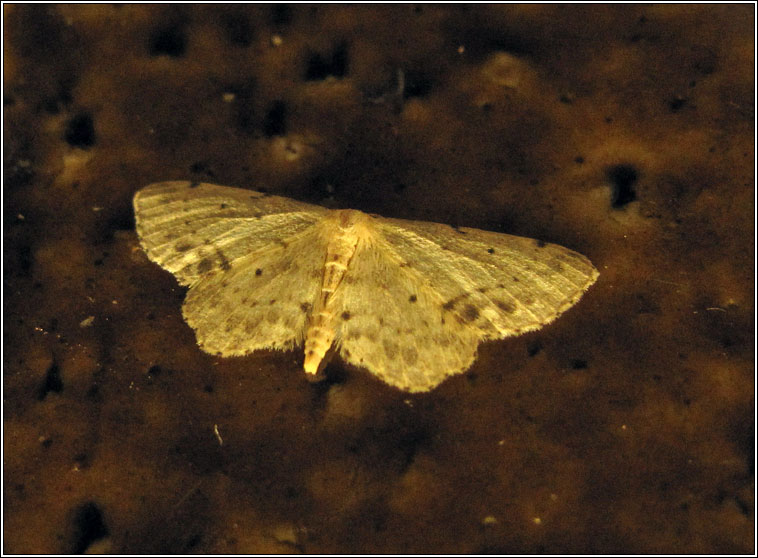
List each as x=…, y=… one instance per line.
x=496, y=283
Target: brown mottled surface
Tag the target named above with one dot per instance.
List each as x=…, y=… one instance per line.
x=623, y=132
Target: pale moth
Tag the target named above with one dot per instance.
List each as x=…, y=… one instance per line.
x=408, y=300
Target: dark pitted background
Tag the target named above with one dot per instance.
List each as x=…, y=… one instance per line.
x=624, y=132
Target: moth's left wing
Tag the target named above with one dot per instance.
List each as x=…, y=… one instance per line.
x=192, y=228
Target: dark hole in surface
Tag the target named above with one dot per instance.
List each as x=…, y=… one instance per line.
x=578, y=364
x=52, y=382
x=63, y=96
x=409, y=444
x=275, y=122
x=80, y=131
x=622, y=178
x=281, y=14
x=238, y=30
x=335, y=64
x=169, y=41
x=88, y=527
x=244, y=106
x=417, y=84
x=676, y=104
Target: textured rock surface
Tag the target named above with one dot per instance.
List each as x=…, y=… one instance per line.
x=622, y=132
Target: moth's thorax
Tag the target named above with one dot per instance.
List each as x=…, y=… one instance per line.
x=345, y=229
x=351, y=224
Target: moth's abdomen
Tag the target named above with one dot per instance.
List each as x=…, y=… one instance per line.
x=318, y=340
x=321, y=328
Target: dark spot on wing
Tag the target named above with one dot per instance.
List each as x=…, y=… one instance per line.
x=470, y=313
x=346, y=316
x=223, y=261
x=272, y=301
x=506, y=307
x=390, y=348
x=305, y=306
x=555, y=265
x=182, y=247
x=410, y=355
x=223, y=206
x=353, y=334
x=205, y=266
x=412, y=298
x=450, y=304
x=258, y=271
x=490, y=250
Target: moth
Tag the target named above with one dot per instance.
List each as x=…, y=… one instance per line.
x=410, y=301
